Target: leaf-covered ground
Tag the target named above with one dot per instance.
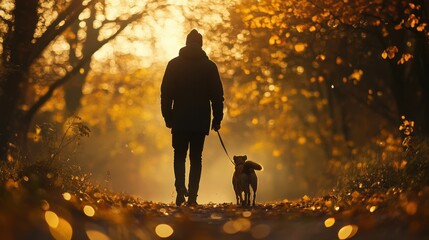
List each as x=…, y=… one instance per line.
x=40, y=206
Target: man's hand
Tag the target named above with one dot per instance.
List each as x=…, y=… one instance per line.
x=216, y=126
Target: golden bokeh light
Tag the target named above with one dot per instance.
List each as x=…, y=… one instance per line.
x=95, y=232
x=89, y=211
x=238, y=225
x=261, y=231
x=215, y=216
x=300, y=47
x=300, y=69
x=244, y=223
x=96, y=235
x=164, y=230
x=63, y=231
x=230, y=228
x=45, y=205
x=67, y=196
x=347, y=231
x=411, y=208
x=52, y=219
x=247, y=214
x=329, y=222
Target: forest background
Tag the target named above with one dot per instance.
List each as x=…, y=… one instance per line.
x=326, y=95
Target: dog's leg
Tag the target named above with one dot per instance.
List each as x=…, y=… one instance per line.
x=242, y=198
x=238, y=195
x=254, y=197
x=247, y=196
x=254, y=183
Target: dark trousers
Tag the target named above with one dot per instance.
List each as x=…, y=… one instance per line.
x=181, y=143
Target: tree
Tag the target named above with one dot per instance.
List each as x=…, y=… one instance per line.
x=338, y=44
x=29, y=34
x=318, y=69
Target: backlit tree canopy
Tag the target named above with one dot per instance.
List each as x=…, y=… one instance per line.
x=44, y=45
x=331, y=76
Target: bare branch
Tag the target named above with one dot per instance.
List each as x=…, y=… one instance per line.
x=68, y=16
x=58, y=83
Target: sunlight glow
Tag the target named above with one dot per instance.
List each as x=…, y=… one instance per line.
x=171, y=37
x=149, y=43
x=158, y=37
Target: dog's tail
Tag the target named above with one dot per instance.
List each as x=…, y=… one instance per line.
x=252, y=165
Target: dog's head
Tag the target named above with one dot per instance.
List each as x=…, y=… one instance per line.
x=238, y=160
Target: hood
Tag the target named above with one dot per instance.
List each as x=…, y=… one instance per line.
x=192, y=53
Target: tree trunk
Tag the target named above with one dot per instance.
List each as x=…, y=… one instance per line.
x=409, y=84
x=421, y=59
x=73, y=89
x=16, y=48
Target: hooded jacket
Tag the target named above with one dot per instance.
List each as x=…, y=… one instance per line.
x=191, y=90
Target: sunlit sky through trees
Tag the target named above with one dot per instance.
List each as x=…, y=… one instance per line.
x=136, y=151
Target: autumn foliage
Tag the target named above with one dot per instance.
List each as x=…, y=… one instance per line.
x=331, y=97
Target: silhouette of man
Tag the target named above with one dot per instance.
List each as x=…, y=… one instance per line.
x=190, y=91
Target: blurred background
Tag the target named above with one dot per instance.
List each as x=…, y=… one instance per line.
x=313, y=89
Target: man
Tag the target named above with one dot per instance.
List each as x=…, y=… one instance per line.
x=190, y=91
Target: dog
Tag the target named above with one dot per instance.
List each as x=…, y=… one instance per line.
x=243, y=178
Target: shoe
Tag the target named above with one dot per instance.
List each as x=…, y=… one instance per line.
x=192, y=201
x=192, y=204
x=180, y=199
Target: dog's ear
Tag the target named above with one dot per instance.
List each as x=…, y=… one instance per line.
x=235, y=158
x=245, y=157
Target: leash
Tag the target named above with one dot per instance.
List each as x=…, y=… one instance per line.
x=224, y=148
